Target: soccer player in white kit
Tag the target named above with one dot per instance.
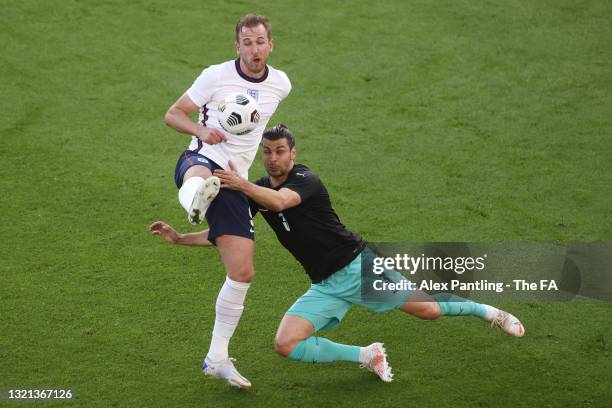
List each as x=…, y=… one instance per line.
x=227, y=212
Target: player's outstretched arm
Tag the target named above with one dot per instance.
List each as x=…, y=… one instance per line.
x=170, y=235
x=271, y=199
x=178, y=118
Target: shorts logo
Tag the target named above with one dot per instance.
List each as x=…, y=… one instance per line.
x=252, y=229
x=254, y=93
x=202, y=160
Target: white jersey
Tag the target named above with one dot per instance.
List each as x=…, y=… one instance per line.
x=211, y=88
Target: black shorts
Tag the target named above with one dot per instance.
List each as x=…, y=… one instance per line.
x=229, y=213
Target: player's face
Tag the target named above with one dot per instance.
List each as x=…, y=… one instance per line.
x=253, y=48
x=277, y=157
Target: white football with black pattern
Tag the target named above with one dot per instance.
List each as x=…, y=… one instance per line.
x=239, y=114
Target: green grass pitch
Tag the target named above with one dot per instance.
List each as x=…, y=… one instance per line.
x=477, y=120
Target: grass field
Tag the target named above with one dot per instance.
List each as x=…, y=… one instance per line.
x=429, y=121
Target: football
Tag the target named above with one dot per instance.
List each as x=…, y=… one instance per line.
x=238, y=114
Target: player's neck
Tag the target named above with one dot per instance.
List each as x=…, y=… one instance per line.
x=277, y=181
x=250, y=74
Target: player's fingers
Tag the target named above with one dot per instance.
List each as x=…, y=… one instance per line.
x=215, y=135
x=225, y=179
x=211, y=139
x=221, y=135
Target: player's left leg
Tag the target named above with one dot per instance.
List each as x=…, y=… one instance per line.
x=237, y=255
x=427, y=307
x=231, y=230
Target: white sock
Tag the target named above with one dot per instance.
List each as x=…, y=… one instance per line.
x=230, y=304
x=364, y=355
x=491, y=313
x=188, y=190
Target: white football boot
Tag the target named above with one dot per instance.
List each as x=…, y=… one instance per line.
x=225, y=370
x=509, y=324
x=202, y=199
x=377, y=362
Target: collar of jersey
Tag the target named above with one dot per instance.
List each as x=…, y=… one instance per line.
x=248, y=78
x=291, y=173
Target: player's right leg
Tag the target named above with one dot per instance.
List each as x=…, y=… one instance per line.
x=316, y=310
x=197, y=186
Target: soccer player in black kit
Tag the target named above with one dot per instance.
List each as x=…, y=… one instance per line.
x=295, y=203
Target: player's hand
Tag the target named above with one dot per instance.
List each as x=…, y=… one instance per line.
x=230, y=178
x=165, y=231
x=211, y=136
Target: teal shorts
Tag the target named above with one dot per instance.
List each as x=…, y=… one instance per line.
x=326, y=303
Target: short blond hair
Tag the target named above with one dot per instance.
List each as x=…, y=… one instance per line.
x=253, y=20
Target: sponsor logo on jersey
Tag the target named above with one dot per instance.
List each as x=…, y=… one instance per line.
x=254, y=93
x=202, y=160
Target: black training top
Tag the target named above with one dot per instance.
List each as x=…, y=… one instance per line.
x=311, y=231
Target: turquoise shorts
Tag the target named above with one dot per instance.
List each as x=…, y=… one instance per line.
x=326, y=303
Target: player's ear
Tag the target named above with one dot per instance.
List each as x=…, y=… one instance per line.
x=293, y=153
x=271, y=45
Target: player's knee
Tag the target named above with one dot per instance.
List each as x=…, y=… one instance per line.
x=423, y=309
x=243, y=274
x=284, y=346
x=431, y=311
x=197, y=171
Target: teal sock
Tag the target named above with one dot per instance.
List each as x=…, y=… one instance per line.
x=452, y=305
x=320, y=350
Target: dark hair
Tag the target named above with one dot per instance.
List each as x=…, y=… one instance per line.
x=280, y=131
x=253, y=20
